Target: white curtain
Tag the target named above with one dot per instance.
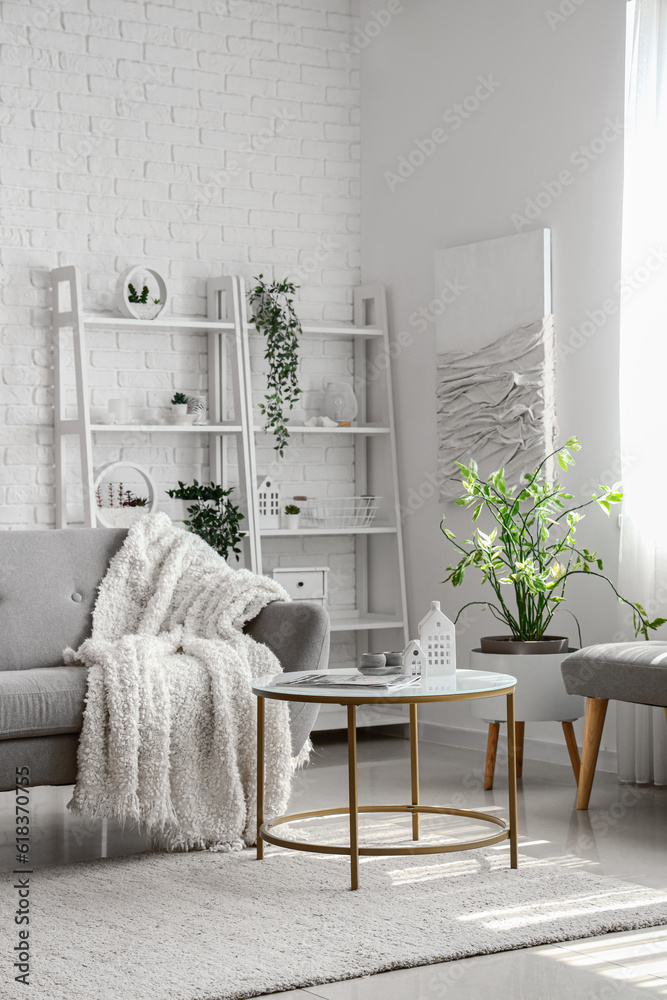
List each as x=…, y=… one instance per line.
x=642, y=731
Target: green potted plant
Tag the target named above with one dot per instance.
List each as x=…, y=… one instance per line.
x=212, y=515
x=275, y=318
x=144, y=306
x=527, y=559
x=291, y=516
x=179, y=408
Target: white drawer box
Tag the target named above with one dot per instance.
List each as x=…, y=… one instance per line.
x=304, y=584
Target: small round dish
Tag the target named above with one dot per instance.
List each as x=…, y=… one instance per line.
x=378, y=671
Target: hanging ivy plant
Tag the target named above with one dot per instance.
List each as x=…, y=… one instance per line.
x=276, y=319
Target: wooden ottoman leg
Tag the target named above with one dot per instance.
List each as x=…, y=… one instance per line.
x=596, y=709
x=573, y=749
x=520, y=729
x=491, y=751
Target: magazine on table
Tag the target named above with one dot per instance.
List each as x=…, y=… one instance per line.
x=352, y=680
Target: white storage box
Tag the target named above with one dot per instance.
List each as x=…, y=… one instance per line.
x=308, y=583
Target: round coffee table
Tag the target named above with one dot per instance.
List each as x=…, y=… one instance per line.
x=464, y=686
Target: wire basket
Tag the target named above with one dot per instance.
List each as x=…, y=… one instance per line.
x=339, y=512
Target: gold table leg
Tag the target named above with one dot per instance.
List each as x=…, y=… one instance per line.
x=511, y=769
x=354, y=814
x=414, y=768
x=260, y=775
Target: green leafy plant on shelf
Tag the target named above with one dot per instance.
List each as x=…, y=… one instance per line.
x=276, y=319
x=141, y=297
x=179, y=399
x=532, y=551
x=213, y=516
x=291, y=508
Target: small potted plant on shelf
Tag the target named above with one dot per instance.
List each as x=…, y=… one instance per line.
x=179, y=408
x=144, y=306
x=212, y=515
x=527, y=559
x=291, y=516
x=118, y=507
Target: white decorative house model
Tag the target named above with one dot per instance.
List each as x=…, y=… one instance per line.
x=414, y=659
x=268, y=503
x=437, y=637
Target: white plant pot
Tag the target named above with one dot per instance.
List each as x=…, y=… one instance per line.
x=540, y=693
x=147, y=310
x=138, y=275
x=179, y=409
x=120, y=517
x=290, y=521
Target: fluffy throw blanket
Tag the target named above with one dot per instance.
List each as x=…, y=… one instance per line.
x=169, y=730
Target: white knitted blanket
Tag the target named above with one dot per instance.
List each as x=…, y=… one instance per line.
x=169, y=730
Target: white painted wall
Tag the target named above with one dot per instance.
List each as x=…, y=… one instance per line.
x=546, y=85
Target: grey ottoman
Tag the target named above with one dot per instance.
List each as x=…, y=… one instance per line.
x=624, y=671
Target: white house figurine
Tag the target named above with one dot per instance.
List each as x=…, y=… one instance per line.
x=437, y=637
x=268, y=503
x=414, y=660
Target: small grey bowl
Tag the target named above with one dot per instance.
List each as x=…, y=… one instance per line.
x=378, y=671
x=372, y=660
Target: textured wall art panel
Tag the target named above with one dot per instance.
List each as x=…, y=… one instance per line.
x=495, y=391
x=497, y=405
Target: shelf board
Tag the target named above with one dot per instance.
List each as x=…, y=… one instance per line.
x=176, y=323
x=286, y=532
x=337, y=330
x=354, y=621
x=302, y=429
x=169, y=428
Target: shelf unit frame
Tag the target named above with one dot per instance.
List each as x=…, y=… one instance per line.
x=228, y=338
x=226, y=360
x=370, y=329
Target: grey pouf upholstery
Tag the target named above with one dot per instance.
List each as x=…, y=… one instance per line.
x=48, y=588
x=635, y=672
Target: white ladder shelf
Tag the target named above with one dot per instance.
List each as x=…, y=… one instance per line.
x=381, y=606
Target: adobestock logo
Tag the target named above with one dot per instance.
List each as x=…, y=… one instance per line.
x=581, y=158
x=453, y=117
x=565, y=9
x=364, y=35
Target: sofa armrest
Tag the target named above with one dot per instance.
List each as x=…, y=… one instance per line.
x=296, y=631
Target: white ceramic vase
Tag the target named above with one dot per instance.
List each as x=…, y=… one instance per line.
x=291, y=521
x=540, y=693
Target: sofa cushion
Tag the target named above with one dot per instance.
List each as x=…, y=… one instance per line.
x=41, y=702
x=48, y=588
x=624, y=671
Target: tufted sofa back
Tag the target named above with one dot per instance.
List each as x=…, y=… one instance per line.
x=48, y=588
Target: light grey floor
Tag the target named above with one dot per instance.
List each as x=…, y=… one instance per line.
x=624, y=834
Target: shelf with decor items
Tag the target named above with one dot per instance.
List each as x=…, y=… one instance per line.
x=227, y=385
x=379, y=616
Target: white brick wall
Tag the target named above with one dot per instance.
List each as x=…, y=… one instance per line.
x=206, y=136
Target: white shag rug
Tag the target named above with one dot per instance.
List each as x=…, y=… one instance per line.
x=204, y=926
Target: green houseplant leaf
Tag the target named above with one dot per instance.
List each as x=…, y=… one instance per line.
x=276, y=319
x=213, y=516
x=532, y=550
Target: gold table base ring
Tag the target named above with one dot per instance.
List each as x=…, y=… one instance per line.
x=294, y=845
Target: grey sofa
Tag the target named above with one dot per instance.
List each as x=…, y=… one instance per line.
x=48, y=587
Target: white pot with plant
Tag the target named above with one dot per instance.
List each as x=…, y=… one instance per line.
x=527, y=555
x=141, y=293
x=179, y=409
x=212, y=515
x=290, y=517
